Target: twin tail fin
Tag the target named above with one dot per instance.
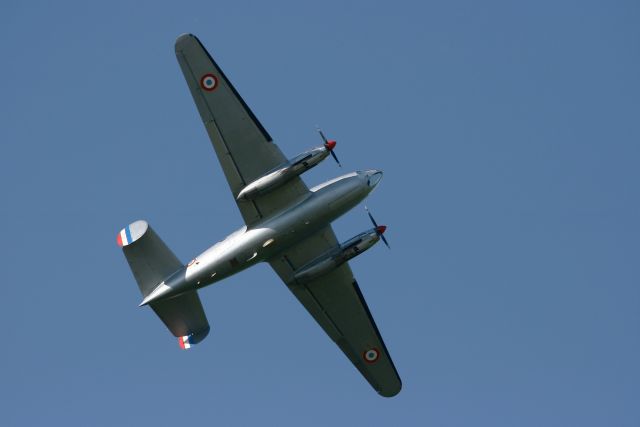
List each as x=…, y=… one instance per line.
x=151, y=262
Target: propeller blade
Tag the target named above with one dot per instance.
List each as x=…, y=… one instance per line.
x=335, y=158
x=324, y=138
x=329, y=145
x=380, y=229
x=371, y=217
x=385, y=241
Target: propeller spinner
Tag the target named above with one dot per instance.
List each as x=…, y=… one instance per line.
x=329, y=144
x=380, y=229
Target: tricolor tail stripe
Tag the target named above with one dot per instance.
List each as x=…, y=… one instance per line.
x=184, y=342
x=124, y=237
x=128, y=233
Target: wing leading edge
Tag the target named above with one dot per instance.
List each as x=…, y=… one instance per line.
x=336, y=302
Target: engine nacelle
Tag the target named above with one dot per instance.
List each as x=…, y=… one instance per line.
x=285, y=172
x=335, y=258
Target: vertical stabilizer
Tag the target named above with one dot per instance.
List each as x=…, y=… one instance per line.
x=152, y=262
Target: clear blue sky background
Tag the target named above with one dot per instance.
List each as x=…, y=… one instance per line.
x=509, y=136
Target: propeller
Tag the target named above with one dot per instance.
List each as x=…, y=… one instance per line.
x=380, y=229
x=329, y=144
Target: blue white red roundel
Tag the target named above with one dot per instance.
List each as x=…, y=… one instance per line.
x=209, y=82
x=371, y=355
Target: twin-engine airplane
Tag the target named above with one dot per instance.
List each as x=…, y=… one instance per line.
x=287, y=225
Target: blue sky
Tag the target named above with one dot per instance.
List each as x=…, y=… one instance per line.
x=508, y=133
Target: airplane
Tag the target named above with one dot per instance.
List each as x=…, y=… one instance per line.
x=287, y=225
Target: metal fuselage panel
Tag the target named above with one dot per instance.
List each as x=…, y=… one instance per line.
x=274, y=235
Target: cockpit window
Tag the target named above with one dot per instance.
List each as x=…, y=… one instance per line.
x=375, y=179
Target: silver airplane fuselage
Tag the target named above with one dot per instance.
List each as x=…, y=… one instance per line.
x=271, y=236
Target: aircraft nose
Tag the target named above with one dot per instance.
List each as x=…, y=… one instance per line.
x=373, y=177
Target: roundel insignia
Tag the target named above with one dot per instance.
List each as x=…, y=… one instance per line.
x=371, y=355
x=209, y=82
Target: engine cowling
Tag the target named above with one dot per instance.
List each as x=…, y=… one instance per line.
x=285, y=172
x=335, y=258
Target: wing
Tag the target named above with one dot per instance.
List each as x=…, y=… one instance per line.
x=244, y=148
x=337, y=304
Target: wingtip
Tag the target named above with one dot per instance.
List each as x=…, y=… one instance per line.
x=391, y=392
x=185, y=38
